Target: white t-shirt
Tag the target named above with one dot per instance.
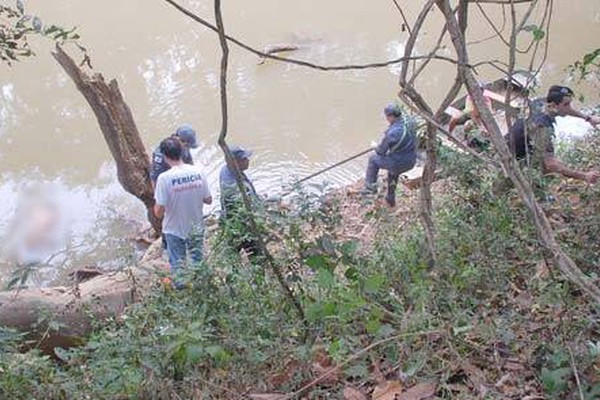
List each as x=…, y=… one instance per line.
x=182, y=190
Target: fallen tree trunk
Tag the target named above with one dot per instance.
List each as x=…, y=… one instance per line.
x=119, y=130
x=62, y=316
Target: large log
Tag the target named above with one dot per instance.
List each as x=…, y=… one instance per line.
x=62, y=316
x=119, y=130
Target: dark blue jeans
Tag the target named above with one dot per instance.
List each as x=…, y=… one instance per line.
x=178, y=249
x=394, y=165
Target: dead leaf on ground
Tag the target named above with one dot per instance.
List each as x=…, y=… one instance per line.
x=387, y=390
x=575, y=199
x=321, y=357
x=322, y=365
x=419, y=392
x=541, y=270
x=524, y=300
x=283, y=377
x=330, y=378
x=377, y=374
x=514, y=364
x=351, y=393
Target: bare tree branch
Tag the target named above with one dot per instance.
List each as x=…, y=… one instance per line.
x=238, y=177
x=302, y=63
x=403, y=16
x=412, y=39
x=479, y=41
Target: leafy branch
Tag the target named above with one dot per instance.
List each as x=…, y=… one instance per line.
x=16, y=26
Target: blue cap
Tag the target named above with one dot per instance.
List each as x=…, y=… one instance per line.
x=240, y=152
x=393, y=109
x=188, y=135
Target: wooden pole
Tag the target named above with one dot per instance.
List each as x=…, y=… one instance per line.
x=344, y=161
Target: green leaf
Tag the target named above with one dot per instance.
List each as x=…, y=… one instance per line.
x=359, y=371
x=555, y=381
x=325, y=278
x=536, y=31
x=217, y=353
x=320, y=310
x=538, y=34
x=318, y=261
x=351, y=274
x=193, y=353
x=349, y=249
x=372, y=326
x=373, y=283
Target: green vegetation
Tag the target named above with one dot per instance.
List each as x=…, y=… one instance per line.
x=492, y=320
x=16, y=26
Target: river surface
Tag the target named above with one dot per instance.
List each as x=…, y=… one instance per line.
x=62, y=206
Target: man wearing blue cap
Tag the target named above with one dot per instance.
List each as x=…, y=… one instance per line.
x=397, y=152
x=187, y=136
x=232, y=209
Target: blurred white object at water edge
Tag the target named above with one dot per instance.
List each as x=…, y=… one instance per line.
x=37, y=231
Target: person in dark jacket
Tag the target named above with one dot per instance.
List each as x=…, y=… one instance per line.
x=396, y=153
x=187, y=136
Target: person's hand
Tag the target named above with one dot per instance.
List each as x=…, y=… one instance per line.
x=374, y=144
x=592, y=177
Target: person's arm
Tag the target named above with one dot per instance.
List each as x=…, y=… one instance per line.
x=207, y=196
x=592, y=119
x=160, y=197
x=552, y=164
x=390, y=138
x=159, y=211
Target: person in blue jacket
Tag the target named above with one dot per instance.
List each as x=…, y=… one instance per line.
x=187, y=136
x=396, y=153
x=234, y=219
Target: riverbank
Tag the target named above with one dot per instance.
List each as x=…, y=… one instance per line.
x=492, y=319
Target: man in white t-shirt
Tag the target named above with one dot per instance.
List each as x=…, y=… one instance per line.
x=180, y=194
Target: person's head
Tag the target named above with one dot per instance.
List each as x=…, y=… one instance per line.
x=187, y=135
x=392, y=111
x=558, y=99
x=241, y=157
x=172, y=149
